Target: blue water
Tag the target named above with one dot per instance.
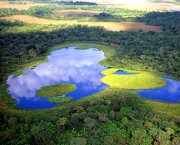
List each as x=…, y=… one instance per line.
x=68, y=65
x=79, y=67
x=168, y=93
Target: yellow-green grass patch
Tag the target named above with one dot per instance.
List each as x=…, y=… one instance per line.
x=55, y=90
x=109, y=71
x=77, y=12
x=60, y=99
x=143, y=80
x=156, y=5
x=29, y=65
x=6, y=4
x=112, y=26
x=108, y=50
x=113, y=70
x=171, y=109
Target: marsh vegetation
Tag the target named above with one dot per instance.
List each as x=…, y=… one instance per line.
x=112, y=116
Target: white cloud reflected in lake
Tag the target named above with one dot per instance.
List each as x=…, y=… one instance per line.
x=64, y=66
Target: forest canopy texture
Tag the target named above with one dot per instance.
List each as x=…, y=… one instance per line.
x=114, y=116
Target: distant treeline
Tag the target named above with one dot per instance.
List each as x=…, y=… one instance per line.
x=61, y=2
x=106, y=14
x=137, y=49
x=75, y=3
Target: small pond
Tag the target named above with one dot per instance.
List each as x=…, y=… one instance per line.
x=67, y=65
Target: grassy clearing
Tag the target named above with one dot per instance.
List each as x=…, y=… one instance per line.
x=112, y=26
x=109, y=71
x=55, y=90
x=60, y=99
x=77, y=12
x=142, y=80
x=30, y=65
x=108, y=50
x=154, y=5
x=113, y=70
x=171, y=109
x=5, y=4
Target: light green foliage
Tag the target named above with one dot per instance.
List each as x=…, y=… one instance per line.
x=138, y=135
x=108, y=140
x=78, y=141
x=90, y=122
x=130, y=119
x=143, y=80
x=55, y=90
x=12, y=121
x=62, y=121
x=60, y=99
x=110, y=71
x=113, y=70
x=108, y=50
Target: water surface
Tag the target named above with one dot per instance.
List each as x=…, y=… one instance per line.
x=68, y=65
x=169, y=93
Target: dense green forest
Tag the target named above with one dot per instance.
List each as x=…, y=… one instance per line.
x=113, y=116
x=116, y=117
x=150, y=50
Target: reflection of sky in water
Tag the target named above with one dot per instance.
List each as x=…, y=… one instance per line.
x=169, y=93
x=64, y=66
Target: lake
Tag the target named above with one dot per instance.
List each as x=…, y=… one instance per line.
x=79, y=67
x=67, y=65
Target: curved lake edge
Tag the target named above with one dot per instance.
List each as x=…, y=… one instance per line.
x=24, y=112
x=70, y=50
x=170, y=94
x=43, y=58
x=56, y=90
x=135, y=80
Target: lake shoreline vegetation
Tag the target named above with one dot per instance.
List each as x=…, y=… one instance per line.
x=140, y=80
x=113, y=116
x=55, y=90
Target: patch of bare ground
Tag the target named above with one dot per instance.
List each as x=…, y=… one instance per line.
x=147, y=6
x=5, y=4
x=112, y=26
x=77, y=12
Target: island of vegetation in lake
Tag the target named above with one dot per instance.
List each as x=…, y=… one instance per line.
x=55, y=90
x=142, y=41
x=140, y=80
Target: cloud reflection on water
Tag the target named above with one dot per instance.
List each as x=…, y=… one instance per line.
x=169, y=93
x=64, y=66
